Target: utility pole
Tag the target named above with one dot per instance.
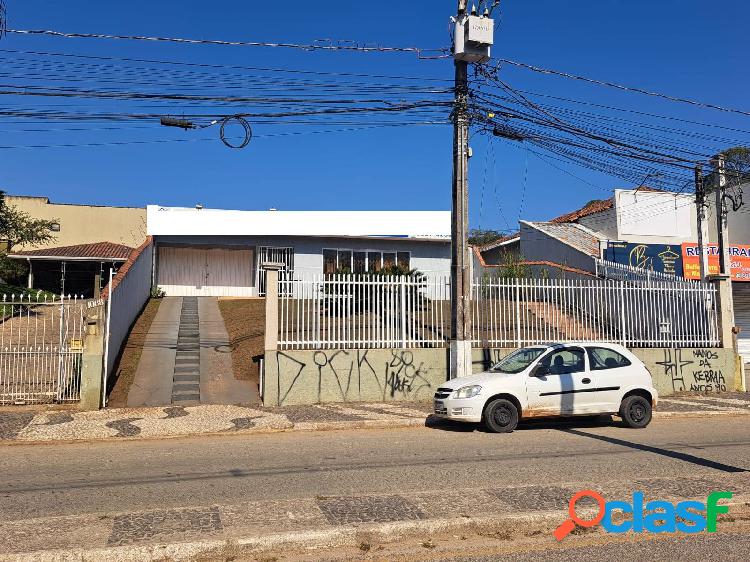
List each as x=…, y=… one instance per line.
x=723, y=280
x=722, y=229
x=460, y=343
x=700, y=203
x=473, y=38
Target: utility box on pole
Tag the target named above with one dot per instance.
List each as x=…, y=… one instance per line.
x=474, y=37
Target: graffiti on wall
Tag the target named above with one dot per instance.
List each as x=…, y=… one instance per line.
x=694, y=370
x=352, y=375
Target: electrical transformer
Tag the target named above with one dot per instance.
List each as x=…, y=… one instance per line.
x=474, y=37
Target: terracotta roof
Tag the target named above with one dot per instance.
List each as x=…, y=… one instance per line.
x=590, y=208
x=559, y=266
x=499, y=241
x=572, y=234
x=595, y=206
x=123, y=272
x=106, y=250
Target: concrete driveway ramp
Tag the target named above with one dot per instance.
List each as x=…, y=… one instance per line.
x=187, y=358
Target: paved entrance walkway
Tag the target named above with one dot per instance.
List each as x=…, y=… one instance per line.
x=187, y=359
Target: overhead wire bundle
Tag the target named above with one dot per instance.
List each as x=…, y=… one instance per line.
x=661, y=148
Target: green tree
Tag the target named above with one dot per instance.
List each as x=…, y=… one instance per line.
x=18, y=228
x=479, y=237
x=737, y=164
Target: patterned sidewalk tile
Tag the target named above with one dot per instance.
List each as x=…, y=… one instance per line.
x=369, y=509
x=136, y=528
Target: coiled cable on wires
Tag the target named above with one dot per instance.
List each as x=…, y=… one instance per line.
x=245, y=126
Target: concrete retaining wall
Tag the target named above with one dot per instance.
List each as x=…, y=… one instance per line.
x=701, y=370
x=384, y=375
x=350, y=375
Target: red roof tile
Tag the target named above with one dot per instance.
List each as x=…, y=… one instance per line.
x=595, y=206
x=590, y=208
x=107, y=250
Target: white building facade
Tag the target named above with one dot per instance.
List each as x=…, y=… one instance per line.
x=207, y=252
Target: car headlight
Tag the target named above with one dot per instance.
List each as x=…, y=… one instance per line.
x=467, y=391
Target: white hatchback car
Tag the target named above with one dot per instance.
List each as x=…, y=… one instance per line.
x=569, y=379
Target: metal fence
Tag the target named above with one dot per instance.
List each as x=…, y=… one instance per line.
x=363, y=311
x=517, y=312
x=621, y=272
x=41, y=348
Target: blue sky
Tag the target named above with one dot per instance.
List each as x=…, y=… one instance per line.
x=683, y=48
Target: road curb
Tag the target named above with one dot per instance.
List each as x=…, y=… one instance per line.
x=343, y=536
x=397, y=423
x=354, y=536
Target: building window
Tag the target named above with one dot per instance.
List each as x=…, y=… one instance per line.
x=374, y=261
x=329, y=261
x=403, y=259
x=389, y=259
x=55, y=227
x=339, y=260
x=360, y=262
x=345, y=261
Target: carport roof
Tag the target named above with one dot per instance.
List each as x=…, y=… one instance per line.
x=98, y=251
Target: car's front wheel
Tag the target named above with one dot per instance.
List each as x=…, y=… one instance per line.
x=635, y=411
x=501, y=416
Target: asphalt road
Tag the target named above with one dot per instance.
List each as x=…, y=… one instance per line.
x=51, y=480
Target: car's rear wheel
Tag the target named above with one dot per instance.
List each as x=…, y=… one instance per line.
x=635, y=412
x=501, y=416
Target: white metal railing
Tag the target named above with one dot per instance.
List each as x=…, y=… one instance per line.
x=518, y=312
x=363, y=311
x=41, y=348
x=621, y=272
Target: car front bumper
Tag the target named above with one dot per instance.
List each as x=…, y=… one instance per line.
x=459, y=409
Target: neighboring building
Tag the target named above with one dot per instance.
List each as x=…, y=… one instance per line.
x=642, y=228
x=500, y=251
x=82, y=269
x=89, y=240
x=206, y=252
x=84, y=224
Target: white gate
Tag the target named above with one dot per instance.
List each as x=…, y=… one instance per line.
x=41, y=349
x=266, y=254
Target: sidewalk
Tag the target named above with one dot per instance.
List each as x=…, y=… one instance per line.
x=227, y=532
x=35, y=426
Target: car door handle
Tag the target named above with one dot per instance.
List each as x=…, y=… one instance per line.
x=586, y=381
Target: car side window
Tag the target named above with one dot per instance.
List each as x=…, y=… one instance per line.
x=565, y=362
x=601, y=358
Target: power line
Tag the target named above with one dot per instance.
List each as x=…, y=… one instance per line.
x=164, y=141
x=223, y=66
x=622, y=87
x=327, y=45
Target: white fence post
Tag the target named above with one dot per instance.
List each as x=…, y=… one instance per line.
x=403, y=311
x=518, y=311
x=622, y=313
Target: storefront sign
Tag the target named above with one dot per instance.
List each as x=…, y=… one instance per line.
x=739, y=256
x=662, y=258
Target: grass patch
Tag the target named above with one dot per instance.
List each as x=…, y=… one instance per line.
x=127, y=363
x=245, y=320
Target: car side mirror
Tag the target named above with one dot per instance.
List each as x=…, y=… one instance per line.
x=540, y=371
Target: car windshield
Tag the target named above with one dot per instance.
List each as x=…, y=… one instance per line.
x=518, y=360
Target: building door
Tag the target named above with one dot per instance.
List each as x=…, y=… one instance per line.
x=198, y=272
x=741, y=292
